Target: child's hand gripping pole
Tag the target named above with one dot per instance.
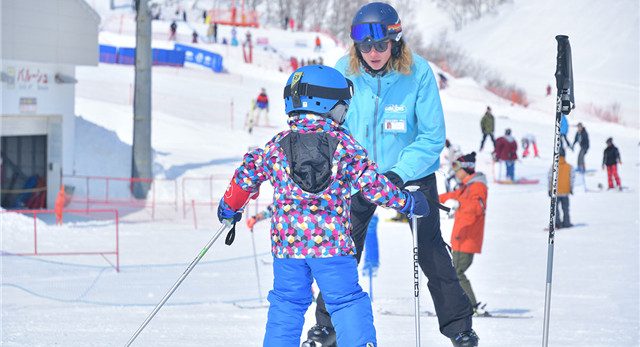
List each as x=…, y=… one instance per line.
x=231, y=207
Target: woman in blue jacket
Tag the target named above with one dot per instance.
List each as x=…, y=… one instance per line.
x=396, y=115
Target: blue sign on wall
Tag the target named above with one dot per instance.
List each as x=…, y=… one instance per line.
x=201, y=57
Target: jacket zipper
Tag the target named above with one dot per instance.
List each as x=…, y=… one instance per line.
x=375, y=121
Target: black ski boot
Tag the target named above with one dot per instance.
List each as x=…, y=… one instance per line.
x=465, y=339
x=320, y=335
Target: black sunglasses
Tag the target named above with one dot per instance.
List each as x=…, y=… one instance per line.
x=379, y=46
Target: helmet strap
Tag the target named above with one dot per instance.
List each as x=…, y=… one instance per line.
x=338, y=113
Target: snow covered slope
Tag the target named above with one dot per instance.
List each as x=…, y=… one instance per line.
x=519, y=43
x=82, y=301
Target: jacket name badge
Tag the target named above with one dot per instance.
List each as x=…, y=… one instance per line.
x=395, y=126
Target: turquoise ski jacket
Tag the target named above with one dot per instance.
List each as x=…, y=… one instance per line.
x=398, y=119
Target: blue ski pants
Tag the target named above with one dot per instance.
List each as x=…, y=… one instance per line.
x=348, y=305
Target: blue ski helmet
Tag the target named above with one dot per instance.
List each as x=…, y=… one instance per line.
x=376, y=21
x=318, y=89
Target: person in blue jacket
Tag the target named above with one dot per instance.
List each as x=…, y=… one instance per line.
x=396, y=115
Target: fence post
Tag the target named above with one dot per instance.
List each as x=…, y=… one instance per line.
x=153, y=200
x=175, y=189
x=184, y=202
x=231, y=114
x=87, y=181
x=211, y=190
x=35, y=234
x=117, y=242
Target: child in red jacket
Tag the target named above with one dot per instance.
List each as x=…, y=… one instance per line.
x=469, y=201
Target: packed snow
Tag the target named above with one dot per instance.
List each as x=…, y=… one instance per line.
x=198, y=131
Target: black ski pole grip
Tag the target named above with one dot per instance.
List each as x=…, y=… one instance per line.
x=564, y=74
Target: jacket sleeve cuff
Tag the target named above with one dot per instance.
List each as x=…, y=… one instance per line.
x=402, y=173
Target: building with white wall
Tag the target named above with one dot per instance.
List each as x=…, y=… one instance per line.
x=41, y=44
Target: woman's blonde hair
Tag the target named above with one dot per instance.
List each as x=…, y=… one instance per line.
x=401, y=63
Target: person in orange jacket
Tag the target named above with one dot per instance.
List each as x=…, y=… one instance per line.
x=566, y=177
x=469, y=203
x=59, y=205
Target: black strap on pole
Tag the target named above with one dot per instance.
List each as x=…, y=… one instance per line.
x=437, y=203
x=231, y=235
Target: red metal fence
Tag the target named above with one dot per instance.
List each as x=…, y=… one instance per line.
x=58, y=240
x=91, y=191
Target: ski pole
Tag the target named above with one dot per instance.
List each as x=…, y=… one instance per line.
x=416, y=270
x=226, y=225
x=564, y=104
x=255, y=256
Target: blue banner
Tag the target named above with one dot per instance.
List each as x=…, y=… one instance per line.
x=167, y=57
x=126, y=56
x=108, y=54
x=201, y=57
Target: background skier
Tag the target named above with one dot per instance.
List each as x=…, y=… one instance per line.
x=507, y=151
x=566, y=177
x=582, y=138
x=449, y=155
x=529, y=142
x=611, y=159
x=262, y=107
x=487, y=125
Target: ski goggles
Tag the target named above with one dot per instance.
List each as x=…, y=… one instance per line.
x=379, y=46
x=374, y=31
x=458, y=165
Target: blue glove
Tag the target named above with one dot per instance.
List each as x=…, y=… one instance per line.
x=227, y=213
x=416, y=204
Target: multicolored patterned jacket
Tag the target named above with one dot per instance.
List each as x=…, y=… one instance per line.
x=315, y=225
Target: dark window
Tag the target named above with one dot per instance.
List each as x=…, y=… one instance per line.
x=23, y=173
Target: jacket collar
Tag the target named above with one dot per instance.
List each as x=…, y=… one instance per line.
x=309, y=122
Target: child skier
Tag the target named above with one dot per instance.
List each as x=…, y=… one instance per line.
x=314, y=167
x=469, y=202
x=262, y=107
